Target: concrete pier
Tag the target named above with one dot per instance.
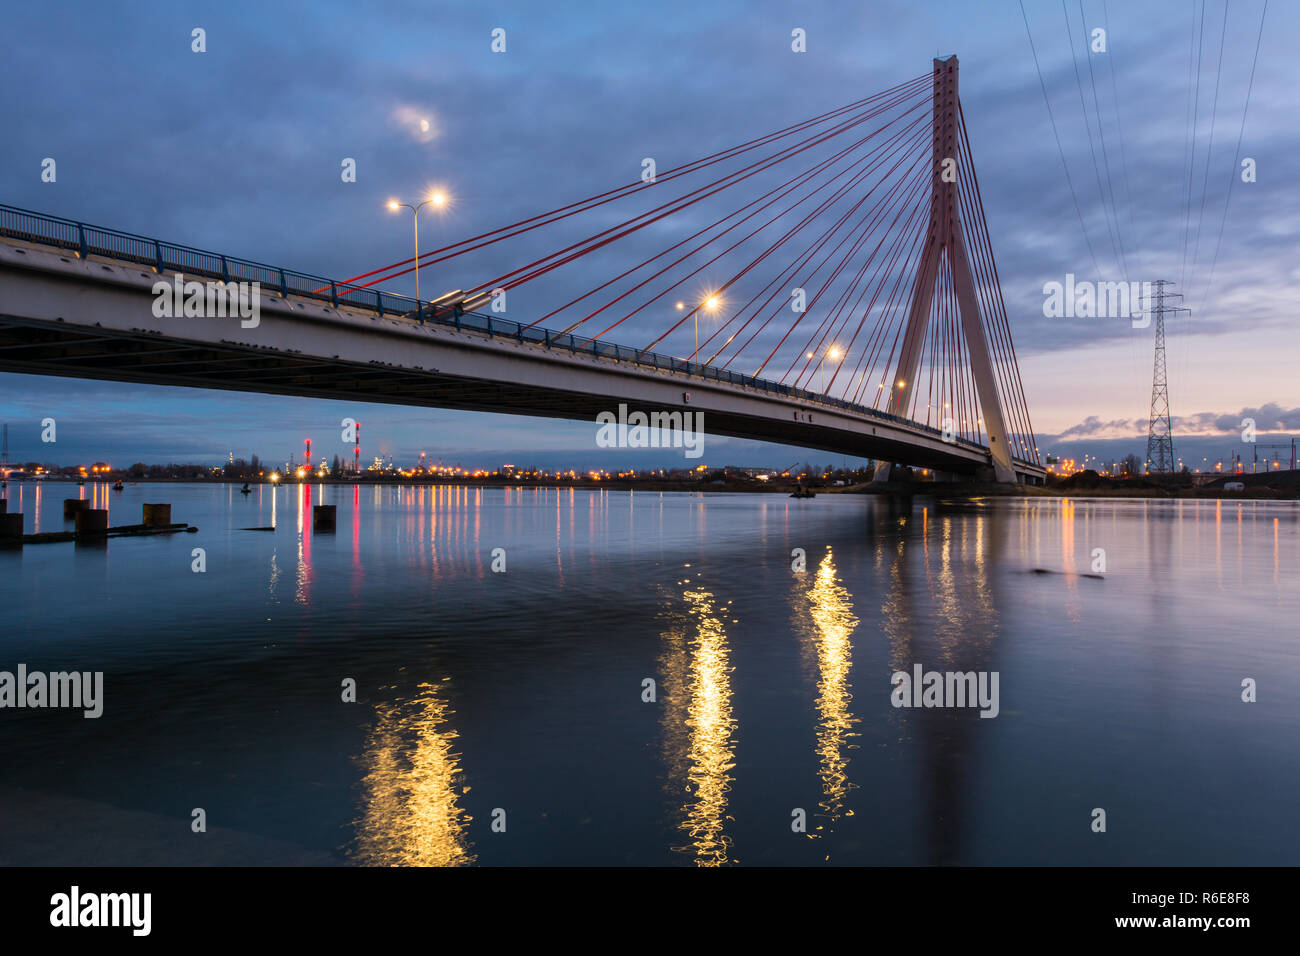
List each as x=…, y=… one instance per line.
x=72, y=505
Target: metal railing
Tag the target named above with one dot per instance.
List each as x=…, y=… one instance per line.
x=86, y=240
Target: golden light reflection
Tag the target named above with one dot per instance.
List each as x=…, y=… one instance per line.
x=830, y=607
x=699, y=726
x=412, y=788
x=1073, y=603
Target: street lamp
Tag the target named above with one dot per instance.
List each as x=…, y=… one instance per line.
x=437, y=199
x=711, y=303
x=834, y=354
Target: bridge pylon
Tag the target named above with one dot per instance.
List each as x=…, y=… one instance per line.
x=945, y=236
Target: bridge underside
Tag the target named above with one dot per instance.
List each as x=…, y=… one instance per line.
x=63, y=316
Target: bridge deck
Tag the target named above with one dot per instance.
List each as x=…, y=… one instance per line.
x=90, y=315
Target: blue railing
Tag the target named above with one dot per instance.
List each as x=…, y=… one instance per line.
x=83, y=240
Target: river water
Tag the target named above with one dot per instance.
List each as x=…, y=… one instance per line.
x=550, y=676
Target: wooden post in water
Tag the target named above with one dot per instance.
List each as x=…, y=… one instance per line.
x=92, y=521
x=11, y=530
x=157, y=515
x=324, y=517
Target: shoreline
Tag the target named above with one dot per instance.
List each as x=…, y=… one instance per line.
x=924, y=489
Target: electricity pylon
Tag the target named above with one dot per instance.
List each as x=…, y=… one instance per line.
x=1160, y=433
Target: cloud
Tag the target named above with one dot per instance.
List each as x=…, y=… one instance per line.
x=1270, y=417
x=1094, y=427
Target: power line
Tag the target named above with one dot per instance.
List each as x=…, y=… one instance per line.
x=1056, y=133
x=1209, y=154
x=1119, y=124
x=1087, y=123
x=1119, y=232
x=1105, y=154
x=1199, y=42
x=1236, y=161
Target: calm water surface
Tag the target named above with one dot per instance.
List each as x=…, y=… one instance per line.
x=519, y=695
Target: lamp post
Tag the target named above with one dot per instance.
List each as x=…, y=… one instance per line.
x=710, y=303
x=834, y=354
x=439, y=200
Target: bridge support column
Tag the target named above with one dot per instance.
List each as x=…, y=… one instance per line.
x=892, y=471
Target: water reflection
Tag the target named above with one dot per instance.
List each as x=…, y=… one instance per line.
x=698, y=724
x=303, y=593
x=412, y=787
x=1073, y=605
x=827, y=621
x=941, y=611
x=358, y=571
x=1094, y=683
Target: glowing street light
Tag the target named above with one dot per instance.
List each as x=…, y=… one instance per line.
x=438, y=199
x=711, y=303
x=834, y=354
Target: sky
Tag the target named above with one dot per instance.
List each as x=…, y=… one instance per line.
x=238, y=149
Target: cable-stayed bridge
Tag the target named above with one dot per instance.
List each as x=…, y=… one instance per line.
x=852, y=305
